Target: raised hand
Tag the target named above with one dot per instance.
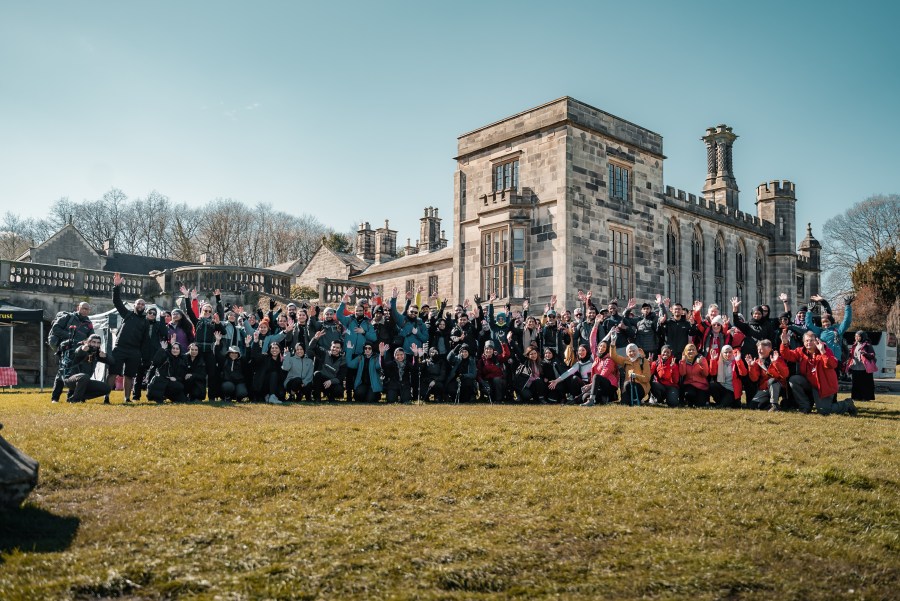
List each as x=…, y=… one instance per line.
x=552, y=301
x=248, y=339
x=117, y=279
x=588, y=295
x=383, y=347
x=394, y=292
x=319, y=334
x=421, y=289
x=466, y=304
x=345, y=299
x=775, y=355
x=217, y=335
x=256, y=336
x=662, y=319
x=217, y=292
x=659, y=299
x=698, y=305
x=434, y=295
x=525, y=305
x=632, y=303
x=783, y=297
x=735, y=303
x=737, y=355
x=820, y=345
x=492, y=297
x=581, y=295
x=184, y=291
x=164, y=343
x=817, y=297
x=237, y=309
x=194, y=294
x=667, y=302
x=216, y=319
x=848, y=300
x=409, y=295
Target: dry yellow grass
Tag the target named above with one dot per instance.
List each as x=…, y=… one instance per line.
x=444, y=502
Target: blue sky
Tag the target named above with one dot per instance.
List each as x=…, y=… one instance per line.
x=350, y=110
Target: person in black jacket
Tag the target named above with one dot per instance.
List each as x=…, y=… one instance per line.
x=168, y=380
x=234, y=386
x=433, y=376
x=268, y=380
x=398, y=375
x=156, y=334
x=205, y=328
x=128, y=350
x=677, y=331
x=462, y=375
x=83, y=361
x=332, y=372
x=70, y=332
x=195, y=374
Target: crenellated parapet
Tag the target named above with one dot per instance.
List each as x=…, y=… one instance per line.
x=776, y=189
x=710, y=209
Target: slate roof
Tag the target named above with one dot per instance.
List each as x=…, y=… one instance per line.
x=445, y=254
x=139, y=264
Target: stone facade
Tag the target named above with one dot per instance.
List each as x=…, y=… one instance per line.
x=328, y=264
x=68, y=245
x=588, y=188
x=415, y=269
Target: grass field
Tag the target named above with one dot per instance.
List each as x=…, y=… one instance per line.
x=444, y=502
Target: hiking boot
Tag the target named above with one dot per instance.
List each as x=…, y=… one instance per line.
x=774, y=407
x=589, y=403
x=106, y=400
x=273, y=400
x=851, y=409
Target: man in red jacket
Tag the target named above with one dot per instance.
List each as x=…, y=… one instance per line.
x=816, y=377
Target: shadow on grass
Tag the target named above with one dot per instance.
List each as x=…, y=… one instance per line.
x=36, y=530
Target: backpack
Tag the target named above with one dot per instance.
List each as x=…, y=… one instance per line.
x=58, y=325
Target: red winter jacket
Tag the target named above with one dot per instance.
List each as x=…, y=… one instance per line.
x=819, y=368
x=695, y=373
x=666, y=374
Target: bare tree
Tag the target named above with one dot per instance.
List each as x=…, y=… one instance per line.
x=855, y=235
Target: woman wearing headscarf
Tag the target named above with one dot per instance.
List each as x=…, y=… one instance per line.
x=637, y=370
x=727, y=387
x=861, y=366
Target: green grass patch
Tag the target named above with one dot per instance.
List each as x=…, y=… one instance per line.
x=445, y=502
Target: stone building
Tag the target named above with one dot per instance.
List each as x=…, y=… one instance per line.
x=564, y=197
x=427, y=264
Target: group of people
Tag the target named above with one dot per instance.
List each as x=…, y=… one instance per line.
x=376, y=350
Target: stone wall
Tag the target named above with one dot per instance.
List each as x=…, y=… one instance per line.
x=419, y=272
x=67, y=244
x=324, y=264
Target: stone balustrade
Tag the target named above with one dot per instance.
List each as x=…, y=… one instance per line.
x=332, y=291
x=75, y=281
x=228, y=278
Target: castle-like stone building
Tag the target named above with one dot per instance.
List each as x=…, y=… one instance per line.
x=564, y=197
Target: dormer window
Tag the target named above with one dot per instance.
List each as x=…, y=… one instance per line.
x=68, y=263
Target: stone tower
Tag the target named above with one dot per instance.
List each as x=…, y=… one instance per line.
x=365, y=242
x=809, y=260
x=720, y=184
x=776, y=205
x=430, y=231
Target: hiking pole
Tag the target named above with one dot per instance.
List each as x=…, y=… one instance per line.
x=635, y=399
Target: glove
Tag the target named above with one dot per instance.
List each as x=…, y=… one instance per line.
x=849, y=299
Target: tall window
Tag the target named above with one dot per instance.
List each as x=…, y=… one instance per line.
x=411, y=286
x=740, y=270
x=620, y=263
x=619, y=178
x=760, y=276
x=462, y=189
x=494, y=257
x=719, y=271
x=503, y=261
x=801, y=286
x=506, y=176
x=432, y=285
x=673, y=260
x=518, y=260
x=697, y=265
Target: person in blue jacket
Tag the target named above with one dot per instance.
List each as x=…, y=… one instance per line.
x=829, y=333
x=358, y=328
x=367, y=384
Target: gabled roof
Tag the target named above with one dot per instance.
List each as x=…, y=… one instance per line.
x=67, y=227
x=294, y=267
x=435, y=256
x=351, y=261
x=139, y=264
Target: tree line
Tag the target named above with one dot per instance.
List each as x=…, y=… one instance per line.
x=228, y=231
